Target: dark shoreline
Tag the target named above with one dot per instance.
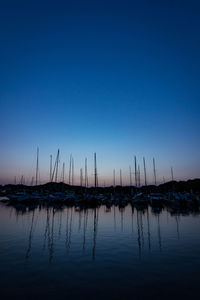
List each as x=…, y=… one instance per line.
x=178, y=195
x=176, y=186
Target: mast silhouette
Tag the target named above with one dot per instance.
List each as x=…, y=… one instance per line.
x=95, y=171
x=114, y=178
x=81, y=177
x=57, y=161
x=154, y=170
x=22, y=179
x=63, y=173
x=50, y=167
x=120, y=176
x=139, y=175
x=145, y=174
x=130, y=175
x=172, y=173
x=135, y=171
x=70, y=168
x=55, y=169
x=86, y=175
x=37, y=167
x=32, y=180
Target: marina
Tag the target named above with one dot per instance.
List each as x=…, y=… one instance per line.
x=172, y=194
x=99, y=156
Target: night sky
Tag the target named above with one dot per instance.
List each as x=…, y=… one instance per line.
x=117, y=77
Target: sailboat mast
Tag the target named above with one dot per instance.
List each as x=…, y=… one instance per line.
x=81, y=177
x=86, y=176
x=114, y=177
x=154, y=170
x=139, y=175
x=37, y=167
x=145, y=174
x=72, y=171
x=95, y=170
x=135, y=171
x=172, y=174
x=70, y=166
x=63, y=173
x=120, y=176
x=130, y=175
x=50, y=167
x=55, y=169
x=57, y=161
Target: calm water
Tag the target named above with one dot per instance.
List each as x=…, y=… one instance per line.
x=98, y=253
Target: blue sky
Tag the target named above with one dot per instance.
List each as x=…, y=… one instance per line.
x=117, y=77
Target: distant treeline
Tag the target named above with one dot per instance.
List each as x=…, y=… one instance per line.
x=176, y=186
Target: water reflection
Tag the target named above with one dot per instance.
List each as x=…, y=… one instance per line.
x=121, y=211
x=139, y=235
x=95, y=233
x=58, y=223
x=46, y=233
x=177, y=226
x=30, y=236
x=159, y=234
x=114, y=218
x=78, y=252
x=148, y=229
x=85, y=228
x=51, y=242
x=69, y=227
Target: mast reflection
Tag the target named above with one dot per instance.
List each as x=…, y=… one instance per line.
x=95, y=233
x=147, y=221
x=148, y=227
x=30, y=236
